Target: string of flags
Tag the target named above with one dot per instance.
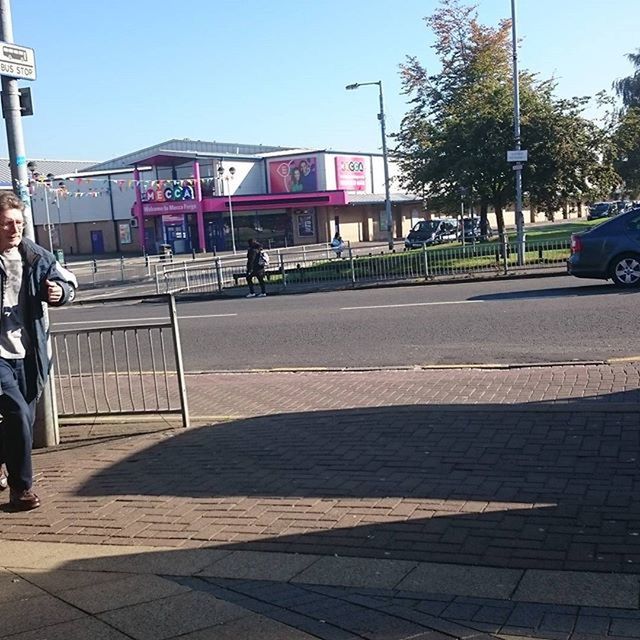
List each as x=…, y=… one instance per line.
x=76, y=187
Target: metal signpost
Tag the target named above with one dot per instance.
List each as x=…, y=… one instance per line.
x=17, y=61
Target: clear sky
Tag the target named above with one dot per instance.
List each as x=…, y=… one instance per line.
x=120, y=75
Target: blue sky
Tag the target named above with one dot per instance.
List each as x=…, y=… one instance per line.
x=118, y=76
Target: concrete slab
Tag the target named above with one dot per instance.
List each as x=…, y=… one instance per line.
x=13, y=587
x=253, y=626
x=59, y=580
x=53, y=555
x=257, y=565
x=460, y=580
x=121, y=593
x=356, y=572
x=35, y=613
x=84, y=629
x=170, y=562
x=579, y=588
x=173, y=616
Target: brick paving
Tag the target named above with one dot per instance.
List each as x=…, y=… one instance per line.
x=524, y=468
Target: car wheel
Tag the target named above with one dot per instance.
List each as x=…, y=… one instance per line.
x=72, y=293
x=625, y=270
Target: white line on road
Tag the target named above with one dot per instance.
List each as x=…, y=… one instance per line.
x=145, y=319
x=409, y=304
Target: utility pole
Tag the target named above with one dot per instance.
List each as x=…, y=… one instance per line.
x=46, y=426
x=516, y=135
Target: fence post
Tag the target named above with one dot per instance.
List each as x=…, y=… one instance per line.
x=157, y=267
x=283, y=271
x=186, y=276
x=182, y=385
x=505, y=252
x=426, y=261
x=218, y=273
x=351, y=261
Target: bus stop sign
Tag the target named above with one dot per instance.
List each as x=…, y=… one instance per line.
x=17, y=61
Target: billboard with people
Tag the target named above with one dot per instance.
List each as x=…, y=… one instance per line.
x=293, y=175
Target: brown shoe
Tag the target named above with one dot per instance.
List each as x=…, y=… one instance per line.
x=23, y=500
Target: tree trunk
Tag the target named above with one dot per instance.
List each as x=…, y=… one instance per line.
x=533, y=210
x=484, y=223
x=565, y=210
x=500, y=219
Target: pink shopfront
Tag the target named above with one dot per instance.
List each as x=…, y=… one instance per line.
x=210, y=204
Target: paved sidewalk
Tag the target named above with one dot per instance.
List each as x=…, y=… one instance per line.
x=396, y=504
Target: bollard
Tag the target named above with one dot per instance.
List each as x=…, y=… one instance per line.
x=122, y=268
x=352, y=264
x=426, y=261
x=218, y=273
x=283, y=272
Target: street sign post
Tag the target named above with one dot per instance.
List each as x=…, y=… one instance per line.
x=17, y=61
x=517, y=155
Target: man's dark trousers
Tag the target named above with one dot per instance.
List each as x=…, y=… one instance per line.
x=17, y=423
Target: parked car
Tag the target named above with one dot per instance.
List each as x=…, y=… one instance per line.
x=472, y=231
x=71, y=280
x=601, y=210
x=610, y=250
x=429, y=232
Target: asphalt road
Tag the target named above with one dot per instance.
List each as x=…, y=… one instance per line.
x=520, y=321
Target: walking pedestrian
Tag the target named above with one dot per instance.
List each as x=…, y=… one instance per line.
x=28, y=278
x=337, y=244
x=257, y=262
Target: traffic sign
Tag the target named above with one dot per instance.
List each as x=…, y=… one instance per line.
x=517, y=155
x=17, y=61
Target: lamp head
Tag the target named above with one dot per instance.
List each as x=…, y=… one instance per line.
x=220, y=171
x=232, y=171
x=349, y=87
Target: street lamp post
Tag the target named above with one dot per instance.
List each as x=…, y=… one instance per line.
x=228, y=178
x=35, y=178
x=385, y=159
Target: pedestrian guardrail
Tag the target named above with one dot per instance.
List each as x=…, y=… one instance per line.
x=121, y=370
x=322, y=266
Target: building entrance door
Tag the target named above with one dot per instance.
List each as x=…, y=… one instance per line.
x=215, y=236
x=97, y=242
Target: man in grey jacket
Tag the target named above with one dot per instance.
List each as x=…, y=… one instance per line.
x=28, y=278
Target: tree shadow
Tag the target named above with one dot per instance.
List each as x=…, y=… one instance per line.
x=544, y=485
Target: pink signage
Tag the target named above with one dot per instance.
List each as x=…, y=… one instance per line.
x=189, y=206
x=293, y=175
x=351, y=173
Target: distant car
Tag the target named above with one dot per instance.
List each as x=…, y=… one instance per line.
x=70, y=279
x=601, y=210
x=610, y=250
x=429, y=232
x=472, y=231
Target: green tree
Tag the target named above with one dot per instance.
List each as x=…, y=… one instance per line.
x=629, y=88
x=460, y=124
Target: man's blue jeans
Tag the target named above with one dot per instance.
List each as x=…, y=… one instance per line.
x=16, y=428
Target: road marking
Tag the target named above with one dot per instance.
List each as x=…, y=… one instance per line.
x=623, y=359
x=409, y=304
x=145, y=319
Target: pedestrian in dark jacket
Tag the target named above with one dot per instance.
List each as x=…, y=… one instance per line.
x=28, y=279
x=255, y=269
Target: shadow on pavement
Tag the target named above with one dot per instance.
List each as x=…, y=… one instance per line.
x=557, y=292
x=528, y=485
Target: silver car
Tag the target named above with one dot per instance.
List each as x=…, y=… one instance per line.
x=70, y=279
x=610, y=250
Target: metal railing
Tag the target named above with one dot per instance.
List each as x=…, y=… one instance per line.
x=322, y=266
x=121, y=370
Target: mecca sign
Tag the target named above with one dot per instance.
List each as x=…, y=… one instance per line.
x=17, y=61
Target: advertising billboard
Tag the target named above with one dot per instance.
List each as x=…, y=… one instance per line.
x=295, y=175
x=351, y=173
